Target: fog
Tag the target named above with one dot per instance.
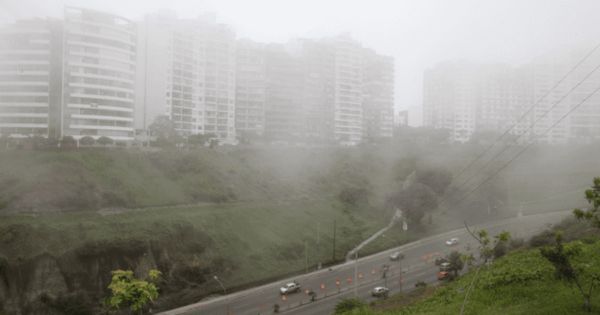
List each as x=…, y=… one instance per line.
x=418, y=34
x=257, y=157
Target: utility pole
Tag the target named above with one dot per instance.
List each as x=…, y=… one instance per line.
x=306, y=256
x=356, y=274
x=224, y=292
x=400, y=265
x=333, y=255
x=319, y=245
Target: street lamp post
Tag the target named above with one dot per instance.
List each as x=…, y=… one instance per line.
x=224, y=292
x=356, y=273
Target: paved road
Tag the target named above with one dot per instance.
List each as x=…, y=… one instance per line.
x=416, y=266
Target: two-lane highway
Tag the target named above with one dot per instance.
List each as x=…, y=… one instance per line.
x=358, y=278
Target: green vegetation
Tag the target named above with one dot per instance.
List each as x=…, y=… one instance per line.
x=593, y=198
x=522, y=282
x=242, y=213
x=583, y=275
x=127, y=291
x=244, y=244
x=348, y=304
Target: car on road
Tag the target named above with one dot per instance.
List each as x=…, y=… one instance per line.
x=396, y=256
x=291, y=287
x=380, y=292
x=445, y=266
x=439, y=260
x=451, y=242
x=443, y=275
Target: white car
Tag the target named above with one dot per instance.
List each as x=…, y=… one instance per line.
x=291, y=287
x=445, y=266
x=396, y=256
x=451, y=242
x=380, y=291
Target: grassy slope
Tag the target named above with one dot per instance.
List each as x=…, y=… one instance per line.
x=260, y=240
x=499, y=290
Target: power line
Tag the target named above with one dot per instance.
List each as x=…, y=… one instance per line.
x=534, y=123
x=556, y=195
x=529, y=145
x=479, y=156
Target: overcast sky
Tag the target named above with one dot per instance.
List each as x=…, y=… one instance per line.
x=417, y=33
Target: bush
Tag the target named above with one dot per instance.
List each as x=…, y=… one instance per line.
x=105, y=140
x=517, y=243
x=354, y=196
x=543, y=239
x=68, y=142
x=87, y=140
x=347, y=305
x=70, y=304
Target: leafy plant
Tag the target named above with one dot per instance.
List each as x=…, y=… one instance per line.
x=127, y=291
x=593, y=198
x=561, y=257
x=347, y=305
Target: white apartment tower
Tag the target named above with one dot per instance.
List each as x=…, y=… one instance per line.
x=30, y=61
x=68, y=78
x=535, y=101
x=189, y=74
x=348, y=91
x=250, y=88
x=99, y=75
x=450, y=98
x=378, y=95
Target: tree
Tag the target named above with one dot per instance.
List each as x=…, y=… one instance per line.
x=468, y=259
x=347, y=305
x=87, y=140
x=68, y=142
x=438, y=179
x=486, y=246
x=127, y=291
x=456, y=262
x=561, y=256
x=164, y=131
x=501, y=244
x=199, y=140
x=37, y=142
x=404, y=167
x=592, y=196
x=105, y=141
x=415, y=201
x=354, y=196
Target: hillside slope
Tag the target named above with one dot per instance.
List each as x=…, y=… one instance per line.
x=522, y=282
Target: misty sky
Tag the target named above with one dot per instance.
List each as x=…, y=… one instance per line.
x=417, y=33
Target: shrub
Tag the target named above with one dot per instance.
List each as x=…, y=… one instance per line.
x=542, y=239
x=517, y=243
x=68, y=142
x=105, y=140
x=87, y=140
x=347, y=305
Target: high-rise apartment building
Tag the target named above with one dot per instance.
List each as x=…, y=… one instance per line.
x=189, y=74
x=378, y=96
x=68, y=78
x=450, y=98
x=534, y=101
x=30, y=78
x=99, y=75
x=285, y=113
x=318, y=62
x=348, y=91
x=250, y=88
